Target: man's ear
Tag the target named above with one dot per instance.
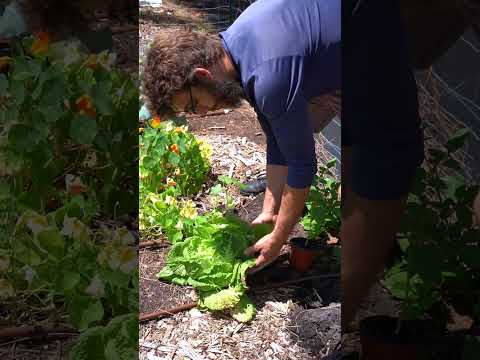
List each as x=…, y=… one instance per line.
x=202, y=74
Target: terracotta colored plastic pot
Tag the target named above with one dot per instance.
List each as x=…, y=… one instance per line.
x=303, y=253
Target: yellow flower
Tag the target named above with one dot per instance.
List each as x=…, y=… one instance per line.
x=206, y=149
x=179, y=129
x=170, y=200
x=189, y=210
x=128, y=259
x=123, y=258
x=123, y=236
x=34, y=221
x=75, y=229
x=177, y=172
x=155, y=123
x=40, y=44
x=140, y=130
x=153, y=198
x=91, y=62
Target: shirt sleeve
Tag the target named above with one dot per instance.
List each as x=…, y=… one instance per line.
x=274, y=155
x=284, y=110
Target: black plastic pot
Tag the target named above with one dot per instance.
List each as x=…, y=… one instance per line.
x=416, y=340
x=380, y=341
x=304, y=251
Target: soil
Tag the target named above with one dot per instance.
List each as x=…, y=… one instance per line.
x=155, y=295
x=241, y=122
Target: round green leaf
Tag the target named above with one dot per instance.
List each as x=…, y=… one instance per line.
x=83, y=129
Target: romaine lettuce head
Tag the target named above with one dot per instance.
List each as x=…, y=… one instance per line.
x=212, y=261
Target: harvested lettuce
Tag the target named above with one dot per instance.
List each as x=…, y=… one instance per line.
x=212, y=261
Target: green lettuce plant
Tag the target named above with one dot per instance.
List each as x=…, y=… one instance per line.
x=212, y=261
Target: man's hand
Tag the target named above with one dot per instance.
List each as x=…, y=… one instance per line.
x=265, y=218
x=268, y=249
x=293, y=202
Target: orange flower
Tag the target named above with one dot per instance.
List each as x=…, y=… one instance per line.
x=76, y=189
x=84, y=104
x=91, y=62
x=155, y=123
x=178, y=130
x=174, y=148
x=171, y=182
x=140, y=130
x=40, y=44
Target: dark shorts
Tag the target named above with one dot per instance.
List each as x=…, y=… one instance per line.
x=380, y=119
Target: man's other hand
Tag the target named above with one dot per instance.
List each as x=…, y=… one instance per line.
x=265, y=218
x=268, y=249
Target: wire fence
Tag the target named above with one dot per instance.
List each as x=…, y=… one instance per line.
x=213, y=15
x=450, y=100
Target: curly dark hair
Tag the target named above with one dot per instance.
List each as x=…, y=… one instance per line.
x=170, y=61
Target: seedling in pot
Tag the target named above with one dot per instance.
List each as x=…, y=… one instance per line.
x=321, y=219
x=323, y=205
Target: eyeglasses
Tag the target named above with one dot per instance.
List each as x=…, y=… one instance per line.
x=189, y=108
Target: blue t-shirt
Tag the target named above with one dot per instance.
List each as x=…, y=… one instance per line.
x=287, y=52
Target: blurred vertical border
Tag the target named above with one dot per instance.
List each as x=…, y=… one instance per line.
x=69, y=99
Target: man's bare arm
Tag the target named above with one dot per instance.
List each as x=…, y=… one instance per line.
x=276, y=179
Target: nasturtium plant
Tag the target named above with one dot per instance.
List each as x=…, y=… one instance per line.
x=67, y=261
x=116, y=340
x=323, y=204
x=212, y=261
x=68, y=141
x=72, y=112
x=164, y=214
x=170, y=156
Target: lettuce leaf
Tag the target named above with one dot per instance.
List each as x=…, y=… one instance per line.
x=244, y=310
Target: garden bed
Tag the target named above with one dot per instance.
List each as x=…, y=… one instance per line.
x=305, y=327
